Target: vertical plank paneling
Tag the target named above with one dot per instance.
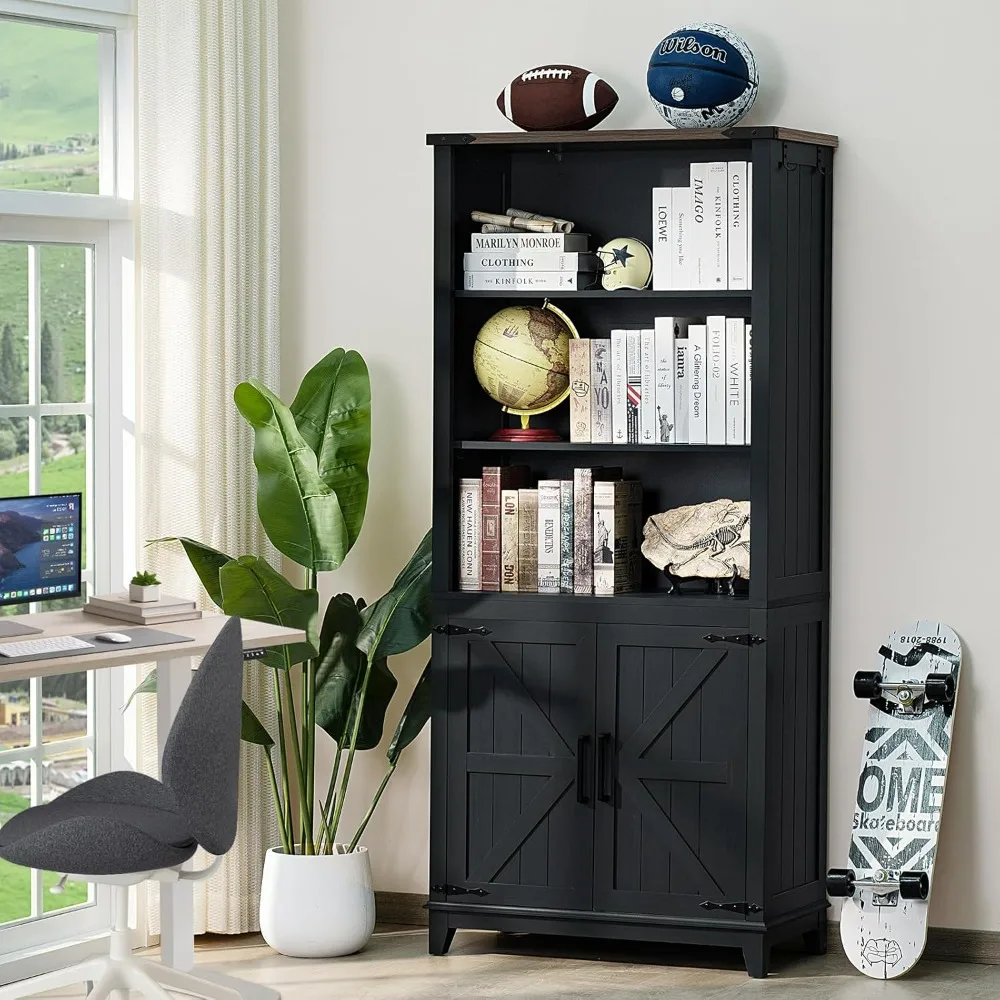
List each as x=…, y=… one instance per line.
x=803, y=667
x=628, y=826
x=536, y=660
x=656, y=682
x=788, y=765
x=808, y=339
x=813, y=778
x=507, y=740
x=685, y=801
x=479, y=739
x=793, y=337
x=816, y=380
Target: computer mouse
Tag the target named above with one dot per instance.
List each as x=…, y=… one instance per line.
x=113, y=637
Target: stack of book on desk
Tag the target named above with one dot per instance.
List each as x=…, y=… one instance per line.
x=120, y=608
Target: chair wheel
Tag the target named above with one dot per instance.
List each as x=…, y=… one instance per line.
x=940, y=688
x=914, y=885
x=867, y=684
x=840, y=882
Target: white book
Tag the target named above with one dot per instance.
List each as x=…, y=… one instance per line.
x=749, y=383
x=470, y=534
x=529, y=260
x=619, y=387
x=556, y=242
x=648, y=431
x=579, y=390
x=600, y=391
x=735, y=381
x=700, y=228
x=715, y=379
x=633, y=391
x=521, y=281
x=549, y=533
x=665, y=360
x=682, y=391
x=662, y=238
x=698, y=409
x=681, y=267
x=717, y=202
x=749, y=225
x=736, y=185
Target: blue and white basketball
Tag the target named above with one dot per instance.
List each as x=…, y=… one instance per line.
x=702, y=76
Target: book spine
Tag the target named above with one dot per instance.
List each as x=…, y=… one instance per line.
x=662, y=238
x=663, y=363
x=735, y=381
x=697, y=412
x=529, y=261
x=508, y=540
x=700, y=232
x=566, y=549
x=490, y=551
x=549, y=534
x=604, y=538
x=579, y=390
x=633, y=389
x=715, y=380
x=539, y=242
x=600, y=387
x=682, y=391
x=527, y=544
x=749, y=383
x=717, y=201
x=681, y=266
x=547, y=281
x=648, y=431
x=470, y=534
x=749, y=225
x=632, y=565
x=583, y=531
x=736, y=181
x=619, y=386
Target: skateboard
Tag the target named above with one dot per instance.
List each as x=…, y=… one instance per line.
x=887, y=888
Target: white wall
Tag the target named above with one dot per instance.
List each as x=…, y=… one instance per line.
x=915, y=341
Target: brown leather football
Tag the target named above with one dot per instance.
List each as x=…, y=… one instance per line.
x=557, y=98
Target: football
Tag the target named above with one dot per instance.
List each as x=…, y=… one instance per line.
x=556, y=99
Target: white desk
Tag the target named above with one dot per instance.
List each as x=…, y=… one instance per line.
x=173, y=677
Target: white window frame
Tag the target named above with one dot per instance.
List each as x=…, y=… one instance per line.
x=103, y=221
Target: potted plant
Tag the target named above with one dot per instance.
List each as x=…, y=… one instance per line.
x=312, y=490
x=144, y=587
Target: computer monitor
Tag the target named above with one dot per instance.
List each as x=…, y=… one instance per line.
x=40, y=552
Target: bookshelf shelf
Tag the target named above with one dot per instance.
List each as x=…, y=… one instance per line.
x=700, y=297
x=600, y=449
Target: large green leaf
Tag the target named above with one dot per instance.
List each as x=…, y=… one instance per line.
x=252, y=729
x=332, y=411
x=414, y=718
x=299, y=512
x=339, y=666
x=251, y=588
x=146, y=686
x=400, y=619
x=205, y=561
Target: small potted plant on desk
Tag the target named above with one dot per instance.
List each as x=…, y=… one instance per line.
x=144, y=587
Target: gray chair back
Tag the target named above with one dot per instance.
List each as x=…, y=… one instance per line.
x=201, y=757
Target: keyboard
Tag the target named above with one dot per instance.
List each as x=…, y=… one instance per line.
x=51, y=644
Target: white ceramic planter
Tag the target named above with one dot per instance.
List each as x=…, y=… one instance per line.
x=317, y=906
x=143, y=594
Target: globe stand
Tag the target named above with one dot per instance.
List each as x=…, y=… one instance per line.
x=524, y=433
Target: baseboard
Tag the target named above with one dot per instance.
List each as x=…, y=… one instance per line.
x=401, y=908
x=946, y=944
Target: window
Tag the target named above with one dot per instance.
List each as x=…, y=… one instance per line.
x=65, y=387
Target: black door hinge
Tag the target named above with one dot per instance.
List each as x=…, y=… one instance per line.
x=458, y=890
x=741, y=907
x=799, y=154
x=461, y=630
x=743, y=639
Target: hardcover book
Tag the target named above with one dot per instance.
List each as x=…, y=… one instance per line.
x=648, y=430
x=715, y=380
x=749, y=384
x=583, y=524
x=749, y=225
x=539, y=281
x=717, y=201
x=697, y=423
x=122, y=602
x=496, y=479
x=527, y=260
x=736, y=180
x=619, y=386
x=549, y=535
x=633, y=392
x=663, y=242
x=566, y=514
x=600, y=389
x=508, y=540
x=579, y=390
x=735, y=381
x=682, y=274
x=682, y=391
x=549, y=242
x=700, y=241
x=470, y=534
x=617, y=536
x=527, y=545
x=664, y=363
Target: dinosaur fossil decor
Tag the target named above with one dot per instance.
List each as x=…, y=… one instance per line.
x=710, y=541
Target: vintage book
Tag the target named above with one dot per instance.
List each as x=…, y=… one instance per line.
x=749, y=368
x=697, y=410
x=682, y=275
x=633, y=392
x=546, y=281
x=716, y=202
x=583, y=524
x=619, y=386
x=508, y=540
x=735, y=381
x=527, y=545
x=663, y=364
x=715, y=380
x=600, y=391
x=528, y=260
x=538, y=242
x=749, y=225
x=122, y=602
x=470, y=534
x=648, y=431
x=579, y=390
x=682, y=391
x=124, y=615
x=549, y=535
x=699, y=243
x=496, y=478
x=566, y=550
x=662, y=245
x=617, y=536
x=736, y=181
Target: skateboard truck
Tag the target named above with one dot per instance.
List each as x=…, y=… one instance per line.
x=909, y=885
x=911, y=697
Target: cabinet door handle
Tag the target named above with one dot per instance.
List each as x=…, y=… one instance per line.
x=582, y=770
x=604, y=786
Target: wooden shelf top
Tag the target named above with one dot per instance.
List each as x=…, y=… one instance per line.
x=684, y=449
x=648, y=136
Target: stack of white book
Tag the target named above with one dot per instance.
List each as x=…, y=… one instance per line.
x=702, y=234
x=527, y=262
x=119, y=608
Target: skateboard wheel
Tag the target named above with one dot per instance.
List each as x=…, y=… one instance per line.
x=867, y=684
x=840, y=882
x=914, y=885
x=940, y=688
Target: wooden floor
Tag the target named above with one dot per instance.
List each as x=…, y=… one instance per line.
x=396, y=965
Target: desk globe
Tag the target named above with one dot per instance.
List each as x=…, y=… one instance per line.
x=521, y=359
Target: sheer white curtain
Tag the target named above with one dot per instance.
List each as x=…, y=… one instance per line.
x=208, y=246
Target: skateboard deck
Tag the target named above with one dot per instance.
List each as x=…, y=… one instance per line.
x=901, y=789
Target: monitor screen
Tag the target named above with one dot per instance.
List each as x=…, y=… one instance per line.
x=40, y=542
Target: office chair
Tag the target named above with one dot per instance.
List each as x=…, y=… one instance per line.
x=122, y=828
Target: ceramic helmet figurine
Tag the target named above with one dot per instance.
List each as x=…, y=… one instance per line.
x=627, y=263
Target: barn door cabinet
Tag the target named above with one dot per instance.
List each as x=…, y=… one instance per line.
x=650, y=766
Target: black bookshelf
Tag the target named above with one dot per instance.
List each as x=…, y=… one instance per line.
x=650, y=766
